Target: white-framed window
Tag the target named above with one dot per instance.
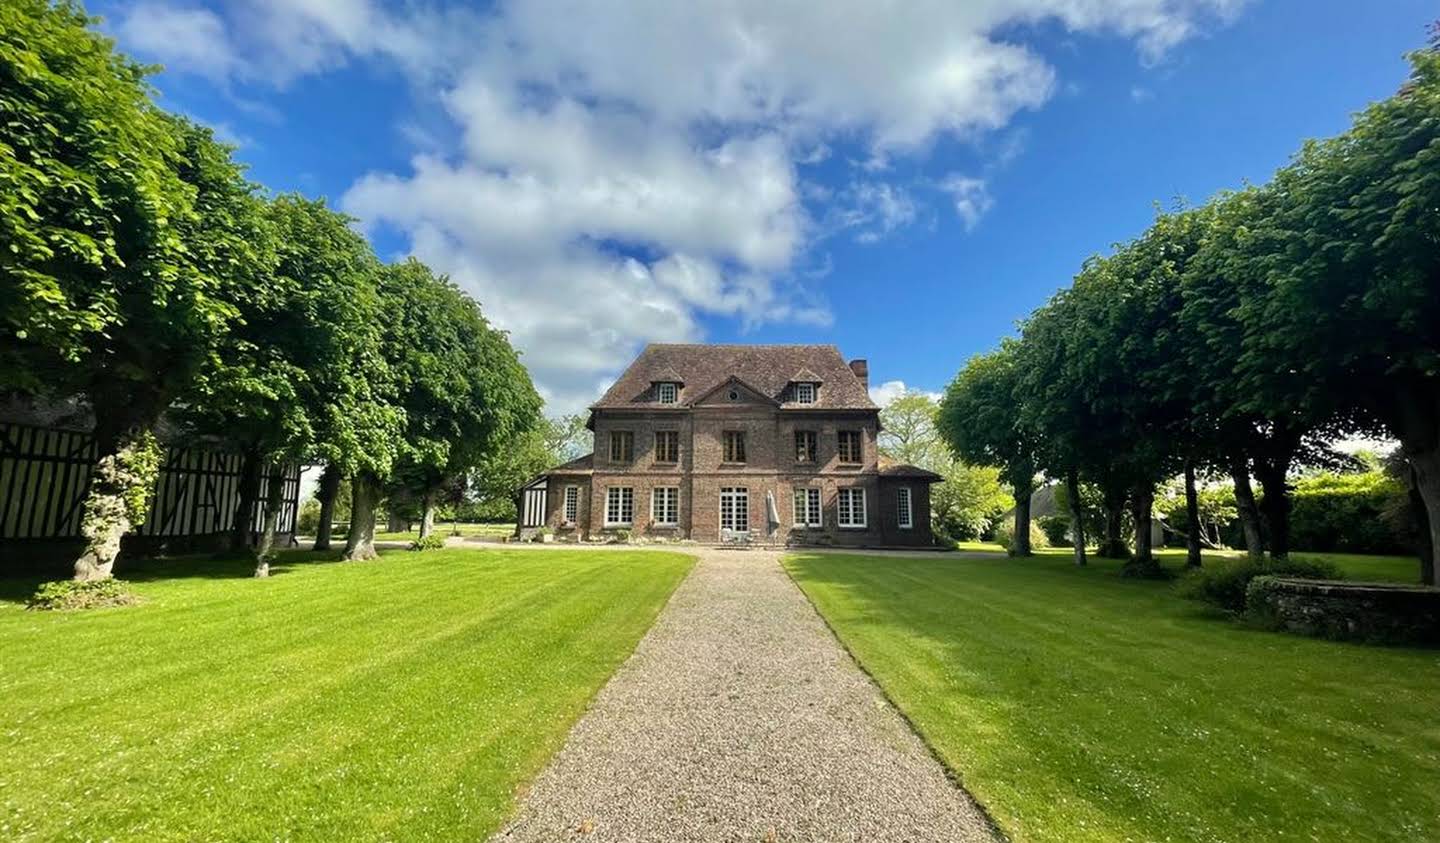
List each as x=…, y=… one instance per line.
x=619, y=506
x=804, y=393
x=622, y=446
x=850, y=507
x=806, y=446
x=735, y=509
x=665, y=506
x=668, y=393
x=807, y=508
x=667, y=446
x=905, y=510
x=734, y=445
x=572, y=504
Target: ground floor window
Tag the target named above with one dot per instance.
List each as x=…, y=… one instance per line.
x=807, y=508
x=572, y=504
x=619, y=506
x=905, y=511
x=665, y=505
x=735, y=509
x=851, y=508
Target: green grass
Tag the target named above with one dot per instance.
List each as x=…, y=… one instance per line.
x=443, y=529
x=1077, y=705
x=406, y=698
x=1356, y=566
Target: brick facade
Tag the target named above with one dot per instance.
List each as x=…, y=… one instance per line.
x=769, y=425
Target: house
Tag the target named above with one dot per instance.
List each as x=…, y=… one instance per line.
x=771, y=444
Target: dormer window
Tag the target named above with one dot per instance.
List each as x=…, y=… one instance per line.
x=804, y=393
x=668, y=393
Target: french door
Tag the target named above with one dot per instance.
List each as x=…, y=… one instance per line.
x=735, y=509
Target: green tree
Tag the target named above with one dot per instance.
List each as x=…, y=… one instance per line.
x=979, y=420
x=908, y=433
x=459, y=382
x=112, y=279
x=1351, y=299
x=300, y=365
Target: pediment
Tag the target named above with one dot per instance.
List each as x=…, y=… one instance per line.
x=733, y=392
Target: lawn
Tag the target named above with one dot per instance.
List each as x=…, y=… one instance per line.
x=1078, y=705
x=402, y=699
x=444, y=529
x=1356, y=566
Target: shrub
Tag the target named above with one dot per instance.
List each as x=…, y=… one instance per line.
x=69, y=594
x=309, y=520
x=1224, y=583
x=1005, y=535
x=1056, y=529
x=1347, y=513
x=622, y=536
x=434, y=541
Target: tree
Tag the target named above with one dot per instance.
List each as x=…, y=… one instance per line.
x=567, y=437
x=458, y=380
x=969, y=501
x=111, y=290
x=908, y=433
x=1351, y=298
x=300, y=364
x=979, y=421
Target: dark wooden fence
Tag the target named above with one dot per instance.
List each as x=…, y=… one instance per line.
x=45, y=473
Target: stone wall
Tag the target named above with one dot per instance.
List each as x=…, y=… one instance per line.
x=1368, y=612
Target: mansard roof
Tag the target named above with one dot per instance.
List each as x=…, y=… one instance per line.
x=769, y=369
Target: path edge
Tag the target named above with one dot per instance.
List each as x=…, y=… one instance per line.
x=954, y=776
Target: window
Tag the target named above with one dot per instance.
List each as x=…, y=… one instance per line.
x=850, y=446
x=735, y=509
x=667, y=446
x=734, y=446
x=850, y=509
x=807, y=508
x=665, y=505
x=805, y=442
x=572, y=504
x=906, y=516
x=619, y=506
x=804, y=393
x=669, y=393
x=622, y=446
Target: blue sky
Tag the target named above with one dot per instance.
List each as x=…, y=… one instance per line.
x=904, y=182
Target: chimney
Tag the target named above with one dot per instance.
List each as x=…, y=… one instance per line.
x=862, y=371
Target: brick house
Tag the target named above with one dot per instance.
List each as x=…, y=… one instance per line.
x=719, y=442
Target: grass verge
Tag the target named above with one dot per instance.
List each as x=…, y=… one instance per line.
x=1077, y=705
x=406, y=698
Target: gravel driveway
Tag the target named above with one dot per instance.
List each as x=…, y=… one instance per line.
x=740, y=717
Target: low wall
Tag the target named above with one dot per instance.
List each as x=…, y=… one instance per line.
x=1380, y=613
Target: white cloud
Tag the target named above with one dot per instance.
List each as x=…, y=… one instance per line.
x=624, y=169
x=971, y=197
x=883, y=394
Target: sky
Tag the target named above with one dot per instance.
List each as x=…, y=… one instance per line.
x=906, y=180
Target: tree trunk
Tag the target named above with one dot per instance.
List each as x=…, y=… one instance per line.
x=427, y=514
x=1276, y=504
x=360, y=543
x=121, y=485
x=242, y=527
x=1113, y=547
x=1020, y=546
x=273, y=501
x=329, y=488
x=1077, y=515
x=395, y=524
x=1142, y=563
x=1192, y=514
x=1426, y=465
x=1245, y=505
